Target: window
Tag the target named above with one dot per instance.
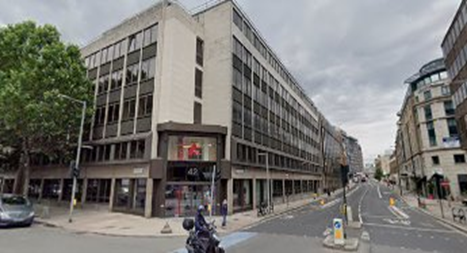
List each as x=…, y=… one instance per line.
x=150, y=35
x=121, y=151
x=197, y=113
x=449, y=108
x=113, y=111
x=435, y=160
x=452, y=127
x=148, y=68
x=145, y=106
x=99, y=116
x=427, y=95
x=445, y=91
x=428, y=113
x=237, y=112
x=129, y=109
x=118, y=48
x=198, y=83
x=137, y=149
x=116, y=80
x=431, y=133
x=103, y=84
x=237, y=19
x=132, y=74
x=237, y=79
x=135, y=42
x=459, y=158
x=199, y=51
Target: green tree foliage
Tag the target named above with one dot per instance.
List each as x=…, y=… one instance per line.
x=378, y=174
x=35, y=67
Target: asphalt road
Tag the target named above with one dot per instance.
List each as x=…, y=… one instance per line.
x=301, y=230
x=416, y=233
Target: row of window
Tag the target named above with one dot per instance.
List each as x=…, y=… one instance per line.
x=452, y=129
x=433, y=78
x=249, y=154
x=129, y=110
x=269, y=56
x=146, y=72
x=118, y=151
x=456, y=29
x=115, y=51
x=261, y=78
x=460, y=95
x=448, y=110
x=460, y=158
x=458, y=63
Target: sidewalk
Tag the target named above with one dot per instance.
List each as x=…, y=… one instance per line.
x=98, y=220
x=432, y=208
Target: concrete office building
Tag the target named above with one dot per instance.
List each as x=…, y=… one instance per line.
x=179, y=95
x=354, y=153
x=434, y=145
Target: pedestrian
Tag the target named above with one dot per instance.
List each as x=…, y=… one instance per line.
x=224, y=212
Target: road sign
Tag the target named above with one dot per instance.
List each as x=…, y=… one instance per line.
x=338, y=231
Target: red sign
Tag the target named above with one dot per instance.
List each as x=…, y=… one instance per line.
x=445, y=183
x=193, y=151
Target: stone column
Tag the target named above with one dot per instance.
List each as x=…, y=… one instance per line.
x=230, y=195
x=60, y=193
x=84, y=191
x=301, y=189
x=112, y=194
x=149, y=196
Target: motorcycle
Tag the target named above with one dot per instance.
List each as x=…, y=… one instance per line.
x=197, y=244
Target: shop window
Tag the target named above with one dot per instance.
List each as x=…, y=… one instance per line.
x=130, y=195
x=34, y=188
x=98, y=190
x=192, y=148
x=51, y=189
x=183, y=200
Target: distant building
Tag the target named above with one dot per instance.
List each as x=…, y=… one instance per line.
x=354, y=153
x=383, y=162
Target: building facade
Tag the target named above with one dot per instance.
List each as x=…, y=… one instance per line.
x=436, y=148
x=181, y=98
x=354, y=153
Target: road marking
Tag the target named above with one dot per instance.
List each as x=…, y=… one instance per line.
x=229, y=240
x=360, y=205
x=379, y=193
x=411, y=228
x=398, y=213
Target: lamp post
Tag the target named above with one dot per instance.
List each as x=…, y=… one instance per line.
x=78, y=151
x=266, y=155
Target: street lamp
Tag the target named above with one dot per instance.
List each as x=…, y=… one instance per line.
x=266, y=155
x=78, y=151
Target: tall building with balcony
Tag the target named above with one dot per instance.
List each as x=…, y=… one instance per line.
x=428, y=134
x=181, y=97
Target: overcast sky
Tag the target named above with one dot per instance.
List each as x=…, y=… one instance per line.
x=350, y=56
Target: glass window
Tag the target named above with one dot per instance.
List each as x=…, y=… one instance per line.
x=435, y=77
x=452, y=127
x=186, y=148
x=237, y=19
x=431, y=133
x=199, y=51
x=459, y=158
x=110, y=53
x=197, y=113
x=427, y=95
x=445, y=90
x=198, y=83
x=449, y=108
x=443, y=75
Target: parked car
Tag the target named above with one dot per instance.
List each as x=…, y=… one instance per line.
x=15, y=210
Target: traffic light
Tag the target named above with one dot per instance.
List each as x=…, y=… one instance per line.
x=74, y=170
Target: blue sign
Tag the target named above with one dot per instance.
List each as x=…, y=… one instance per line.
x=337, y=225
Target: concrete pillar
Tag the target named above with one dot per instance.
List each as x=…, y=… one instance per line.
x=41, y=189
x=301, y=189
x=60, y=193
x=2, y=183
x=84, y=191
x=283, y=191
x=149, y=196
x=112, y=194
x=255, y=193
x=230, y=195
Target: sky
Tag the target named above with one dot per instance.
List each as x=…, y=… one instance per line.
x=351, y=57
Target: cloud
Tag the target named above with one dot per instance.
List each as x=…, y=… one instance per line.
x=350, y=56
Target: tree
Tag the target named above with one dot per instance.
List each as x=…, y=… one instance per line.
x=35, y=67
x=378, y=174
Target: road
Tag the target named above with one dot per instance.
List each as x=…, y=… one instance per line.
x=401, y=230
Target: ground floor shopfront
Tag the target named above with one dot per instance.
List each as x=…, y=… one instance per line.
x=248, y=187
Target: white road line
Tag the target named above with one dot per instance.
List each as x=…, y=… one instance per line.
x=379, y=193
x=360, y=206
x=411, y=228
